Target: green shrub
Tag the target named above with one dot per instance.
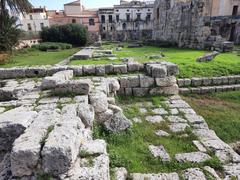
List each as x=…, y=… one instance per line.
x=51, y=46
x=71, y=33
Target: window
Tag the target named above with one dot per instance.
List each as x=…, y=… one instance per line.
x=110, y=18
x=117, y=10
x=158, y=13
x=235, y=11
x=139, y=17
x=74, y=21
x=148, y=18
x=124, y=26
x=104, y=28
x=31, y=17
x=91, y=22
x=103, y=18
x=42, y=25
x=128, y=17
x=117, y=17
x=127, y=10
x=29, y=26
x=111, y=28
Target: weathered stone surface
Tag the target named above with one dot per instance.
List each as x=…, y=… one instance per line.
x=13, y=123
x=146, y=81
x=154, y=119
x=59, y=77
x=193, y=174
x=199, y=146
x=167, y=81
x=208, y=57
x=174, y=111
x=120, y=173
x=159, y=151
x=178, y=127
x=161, y=176
x=2, y=109
x=176, y=119
x=100, y=70
x=118, y=122
x=161, y=133
x=26, y=149
x=120, y=69
x=115, y=108
x=171, y=90
x=79, y=87
x=86, y=114
x=108, y=68
x=62, y=145
x=89, y=70
x=160, y=111
x=94, y=147
x=99, y=101
x=77, y=70
x=212, y=172
x=140, y=91
x=232, y=169
x=5, y=168
x=129, y=82
x=113, y=85
x=196, y=82
x=194, y=157
x=97, y=169
x=104, y=116
x=159, y=71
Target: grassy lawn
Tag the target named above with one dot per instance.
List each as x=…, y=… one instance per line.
x=224, y=64
x=130, y=149
x=31, y=57
x=221, y=111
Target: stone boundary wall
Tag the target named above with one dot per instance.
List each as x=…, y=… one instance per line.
x=85, y=70
x=209, y=89
x=209, y=81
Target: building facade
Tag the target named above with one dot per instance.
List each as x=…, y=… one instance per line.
x=130, y=20
x=75, y=13
x=34, y=21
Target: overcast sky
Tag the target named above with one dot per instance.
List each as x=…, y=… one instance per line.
x=58, y=4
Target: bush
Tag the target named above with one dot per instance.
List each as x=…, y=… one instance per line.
x=71, y=33
x=51, y=46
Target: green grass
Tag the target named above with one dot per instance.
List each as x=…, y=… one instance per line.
x=94, y=62
x=130, y=148
x=32, y=57
x=223, y=64
x=221, y=111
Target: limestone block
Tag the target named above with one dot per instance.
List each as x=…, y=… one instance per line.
x=109, y=69
x=99, y=101
x=87, y=114
x=196, y=82
x=104, y=116
x=89, y=70
x=120, y=69
x=167, y=81
x=193, y=157
x=35, y=72
x=146, y=81
x=194, y=173
x=25, y=153
x=140, y=91
x=159, y=71
x=13, y=123
x=62, y=146
x=100, y=70
x=77, y=70
x=118, y=122
x=94, y=147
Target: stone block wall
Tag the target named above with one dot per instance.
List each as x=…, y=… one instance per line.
x=184, y=23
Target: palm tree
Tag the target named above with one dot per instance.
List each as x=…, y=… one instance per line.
x=18, y=6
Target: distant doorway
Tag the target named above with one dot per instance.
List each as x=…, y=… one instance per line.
x=235, y=11
x=232, y=35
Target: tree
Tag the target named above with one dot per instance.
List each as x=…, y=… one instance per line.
x=18, y=6
x=75, y=34
x=9, y=33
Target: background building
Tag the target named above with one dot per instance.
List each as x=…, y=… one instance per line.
x=34, y=21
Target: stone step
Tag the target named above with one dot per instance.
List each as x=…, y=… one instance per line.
x=210, y=89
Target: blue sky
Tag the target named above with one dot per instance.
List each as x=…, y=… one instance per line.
x=58, y=4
